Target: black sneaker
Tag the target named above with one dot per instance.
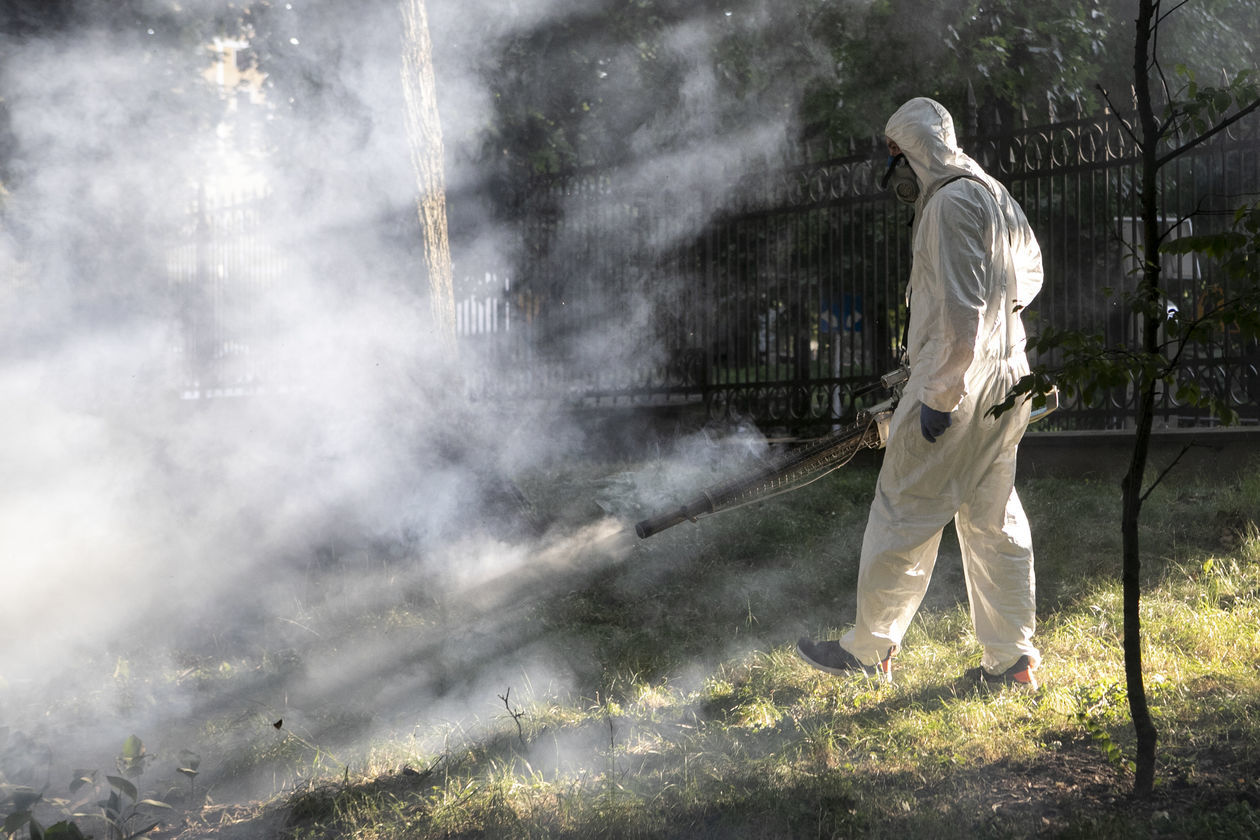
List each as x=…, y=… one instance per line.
x=1019, y=675
x=830, y=657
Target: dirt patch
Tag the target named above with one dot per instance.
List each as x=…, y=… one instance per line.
x=1074, y=782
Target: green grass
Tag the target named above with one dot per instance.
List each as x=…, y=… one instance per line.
x=688, y=715
x=764, y=747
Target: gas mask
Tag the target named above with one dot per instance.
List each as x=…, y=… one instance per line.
x=901, y=178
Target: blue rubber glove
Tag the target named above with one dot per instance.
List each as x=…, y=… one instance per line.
x=933, y=423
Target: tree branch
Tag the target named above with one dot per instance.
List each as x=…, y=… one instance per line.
x=515, y=715
x=1214, y=130
x=1207, y=316
x=1128, y=129
x=1166, y=232
x=1162, y=17
x=1167, y=469
x=1170, y=122
x=1159, y=68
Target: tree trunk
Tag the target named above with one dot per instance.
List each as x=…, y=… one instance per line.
x=1143, y=726
x=424, y=135
x=1148, y=293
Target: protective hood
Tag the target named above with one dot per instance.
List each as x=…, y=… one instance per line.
x=925, y=132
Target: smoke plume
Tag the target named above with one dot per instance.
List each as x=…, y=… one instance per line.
x=181, y=555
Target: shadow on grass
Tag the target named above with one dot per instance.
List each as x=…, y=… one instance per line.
x=613, y=611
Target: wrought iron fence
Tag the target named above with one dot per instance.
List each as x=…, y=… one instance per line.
x=780, y=299
x=771, y=294
x=221, y=276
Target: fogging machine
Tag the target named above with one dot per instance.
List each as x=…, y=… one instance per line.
x=795, y=469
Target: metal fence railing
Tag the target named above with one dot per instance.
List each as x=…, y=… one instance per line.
x=770, y=293
x=781, y=300
x=222, y=275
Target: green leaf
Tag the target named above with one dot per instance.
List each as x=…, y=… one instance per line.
x=64, y=830
x=133, y=748
x=123, y=786
x=1209, y=244
x=15, y=821
x=131, y=761
x=1189, y=393
x=1224, y=412
x=82, y=777
x=24, y=798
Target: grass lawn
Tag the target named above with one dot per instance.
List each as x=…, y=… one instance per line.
x=587, y=684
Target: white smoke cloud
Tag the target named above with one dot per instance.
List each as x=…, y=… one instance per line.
x=134, y=523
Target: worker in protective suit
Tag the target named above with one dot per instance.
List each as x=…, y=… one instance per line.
x=976, y=264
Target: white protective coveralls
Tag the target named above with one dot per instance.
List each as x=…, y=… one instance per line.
x=975, y=263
